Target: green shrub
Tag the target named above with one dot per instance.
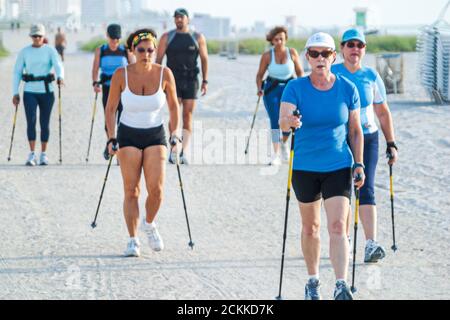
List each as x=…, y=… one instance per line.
x=3, y=52
x=92, y=44
x=256, y=46
x=377, y=44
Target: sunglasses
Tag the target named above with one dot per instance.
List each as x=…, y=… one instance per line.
x=143, y=50
x=359, y=44
x=36, y=36
x=315, y=54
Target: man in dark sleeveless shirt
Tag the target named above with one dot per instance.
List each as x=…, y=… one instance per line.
x=182, y=47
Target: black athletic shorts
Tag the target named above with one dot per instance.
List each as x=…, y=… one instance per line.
x=187, y=89
x=141, y=138
x=312, y=186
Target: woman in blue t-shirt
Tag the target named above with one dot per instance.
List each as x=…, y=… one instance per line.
x=373, y=102
x=323, y=161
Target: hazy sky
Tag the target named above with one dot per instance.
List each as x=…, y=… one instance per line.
x=312, y=12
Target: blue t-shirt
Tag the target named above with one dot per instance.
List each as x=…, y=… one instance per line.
x=321, y=142
x=371, y=90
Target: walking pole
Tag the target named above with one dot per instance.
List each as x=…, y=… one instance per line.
x=191, y=243
x=253, y=123
x=357, y=194
x=92, y=126
x=288, y=198
x=94, y=224
x=391, y=178
x=60, y=128
x=12, y=134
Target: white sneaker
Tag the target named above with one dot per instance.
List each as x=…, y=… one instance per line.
x=184, y=160
x=154, y=238
x=275, y=160
x=43, y=160
x=285, y=152
x=133, y=249
x=31, y=161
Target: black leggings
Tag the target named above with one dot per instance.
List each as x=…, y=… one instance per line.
x=45, y=102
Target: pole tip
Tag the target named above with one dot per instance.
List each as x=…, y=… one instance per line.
x=353, y=288
x=191, y=244
x=9, y=159
x=394, y=248
x=93, y=225
x=279, y=298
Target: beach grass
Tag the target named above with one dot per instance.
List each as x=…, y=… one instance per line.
x=255, y=46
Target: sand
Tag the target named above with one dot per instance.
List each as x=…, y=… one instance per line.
x=236, y=207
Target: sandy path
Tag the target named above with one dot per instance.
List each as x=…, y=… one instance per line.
x=48, y=250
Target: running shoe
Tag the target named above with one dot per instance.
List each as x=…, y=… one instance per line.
x=285, y=151
x=154, y=238
x=275, y=160
x=373, y=252
x=43, y=159
x=312, y=290
x=183, y=159
x=342, y=291
x=133, y=249
x=31, y=161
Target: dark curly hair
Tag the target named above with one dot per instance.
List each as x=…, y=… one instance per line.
x=130, y=38
x=278, y=29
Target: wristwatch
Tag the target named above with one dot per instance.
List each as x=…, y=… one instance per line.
x=358, y=165
x=392, y=145
x=96, y=83
x=205, y=82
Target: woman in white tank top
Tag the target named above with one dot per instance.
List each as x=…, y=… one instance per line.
x=144, y=88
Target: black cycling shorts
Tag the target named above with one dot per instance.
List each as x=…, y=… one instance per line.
x=140, y=138
x=187, y=89
x=312, y=186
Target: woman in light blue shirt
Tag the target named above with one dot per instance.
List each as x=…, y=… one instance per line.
x=373, y=102
x=34, y=65
x=282, y=64
x=324, y=162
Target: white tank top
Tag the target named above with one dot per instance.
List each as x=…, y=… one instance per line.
x=142, y=112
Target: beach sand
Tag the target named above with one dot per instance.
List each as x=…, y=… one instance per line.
x=236, y=210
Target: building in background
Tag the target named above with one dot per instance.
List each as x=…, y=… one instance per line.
x=292, y=26
x=212, y=27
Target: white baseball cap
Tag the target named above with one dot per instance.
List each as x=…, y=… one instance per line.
x=321, y=39
x=37, y=30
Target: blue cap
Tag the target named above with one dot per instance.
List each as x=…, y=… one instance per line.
x=353, y=34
